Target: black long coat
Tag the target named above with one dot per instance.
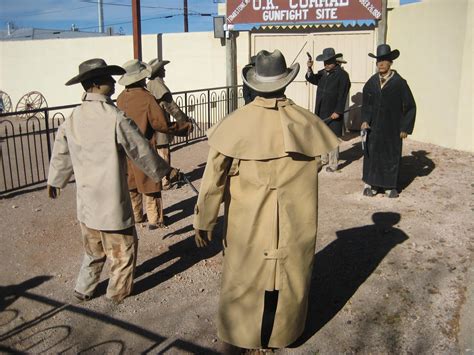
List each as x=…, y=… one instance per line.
x=331, y=95
x=388, y=111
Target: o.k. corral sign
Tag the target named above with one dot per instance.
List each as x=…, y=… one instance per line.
x=298, y=11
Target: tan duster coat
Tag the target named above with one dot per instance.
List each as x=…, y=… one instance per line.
x=161, y=92
x=140, y=105
x=263, y=164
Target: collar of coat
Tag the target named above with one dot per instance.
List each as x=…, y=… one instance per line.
x=270, y=129
x=158, y=87
x=89, y=96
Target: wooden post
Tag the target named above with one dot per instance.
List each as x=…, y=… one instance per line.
x=382, y=25
x=186, y=27
x=137, y=30
x=231, y=68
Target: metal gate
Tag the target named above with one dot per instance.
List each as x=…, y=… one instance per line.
x=26, y=143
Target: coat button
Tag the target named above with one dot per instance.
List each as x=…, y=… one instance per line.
x=266, y=254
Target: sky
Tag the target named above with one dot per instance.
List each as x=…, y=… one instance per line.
x=158, y=16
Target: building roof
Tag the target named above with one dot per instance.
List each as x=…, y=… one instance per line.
x=19, y=34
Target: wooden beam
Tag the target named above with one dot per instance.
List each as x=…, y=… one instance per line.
x=137, y=30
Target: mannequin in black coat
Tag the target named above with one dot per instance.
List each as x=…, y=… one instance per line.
x=331, y=96
x=388, y=116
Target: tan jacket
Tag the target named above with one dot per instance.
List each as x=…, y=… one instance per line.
x=161, y=92
x=263, y=164
x=141, y=106
x=93, y=143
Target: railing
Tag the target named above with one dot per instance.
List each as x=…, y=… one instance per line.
x=26, y=144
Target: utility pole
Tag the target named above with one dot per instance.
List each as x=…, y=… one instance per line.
x=100, y=11
x=382, y=25
x=185, y=7
x=137, y=30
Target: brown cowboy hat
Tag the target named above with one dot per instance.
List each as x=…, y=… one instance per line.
x=385, y=52
x=157, y=65
x=135, y=70
x=94, y=68
x=270, y=73
x=328, y=54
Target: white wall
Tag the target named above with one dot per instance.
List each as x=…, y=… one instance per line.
x=435, y=41
x=197, y=61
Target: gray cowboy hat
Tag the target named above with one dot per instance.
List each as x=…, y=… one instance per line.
x=135, y=70
x=270, y=73
x=157, y=65
x=328, y=54
x=385, y=52
x=94, y=68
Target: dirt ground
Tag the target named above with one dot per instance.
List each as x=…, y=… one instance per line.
x=390, y=275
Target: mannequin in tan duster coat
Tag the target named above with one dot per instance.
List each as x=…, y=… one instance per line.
x=263, y=163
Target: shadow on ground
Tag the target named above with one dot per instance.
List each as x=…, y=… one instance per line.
x=351, y=155
x=179, y=211
x=186, y=254
x=415, y=165
x=52, y=339
x=344, y=265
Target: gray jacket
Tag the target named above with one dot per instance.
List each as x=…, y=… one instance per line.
x=93, y=143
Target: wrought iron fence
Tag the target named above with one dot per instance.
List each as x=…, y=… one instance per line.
x=26, y=143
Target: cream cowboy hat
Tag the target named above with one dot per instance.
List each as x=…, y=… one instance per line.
x=94, y=68
x=135, y=70
x=157, y=65
x=270, y=72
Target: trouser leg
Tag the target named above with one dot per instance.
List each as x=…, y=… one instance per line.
x=334, y=158
x=164, y=152
x=121, y=248
x=154, y=208
x=137, y=205
x=93, y=262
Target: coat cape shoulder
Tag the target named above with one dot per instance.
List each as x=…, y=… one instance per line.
x=158, y=88
x=270, y=129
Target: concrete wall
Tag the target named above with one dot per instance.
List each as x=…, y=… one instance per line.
x=435, y=38
x=197, y=61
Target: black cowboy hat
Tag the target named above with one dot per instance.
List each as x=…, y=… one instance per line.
x=94, y=68
x=270, y=73
x=328, y=54
x=385, y=52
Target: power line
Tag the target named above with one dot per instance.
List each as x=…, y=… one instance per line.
x=126, y=22
x=146, y=19
x=142, y=6
x=36, y=13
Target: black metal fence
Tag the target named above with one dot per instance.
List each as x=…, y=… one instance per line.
x=26, y=144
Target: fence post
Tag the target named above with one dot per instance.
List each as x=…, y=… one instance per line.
x=208, y=109
x=228, y=101
x=48, y=138
x=186, y=108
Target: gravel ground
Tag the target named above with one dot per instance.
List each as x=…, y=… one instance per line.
x=393, y=282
